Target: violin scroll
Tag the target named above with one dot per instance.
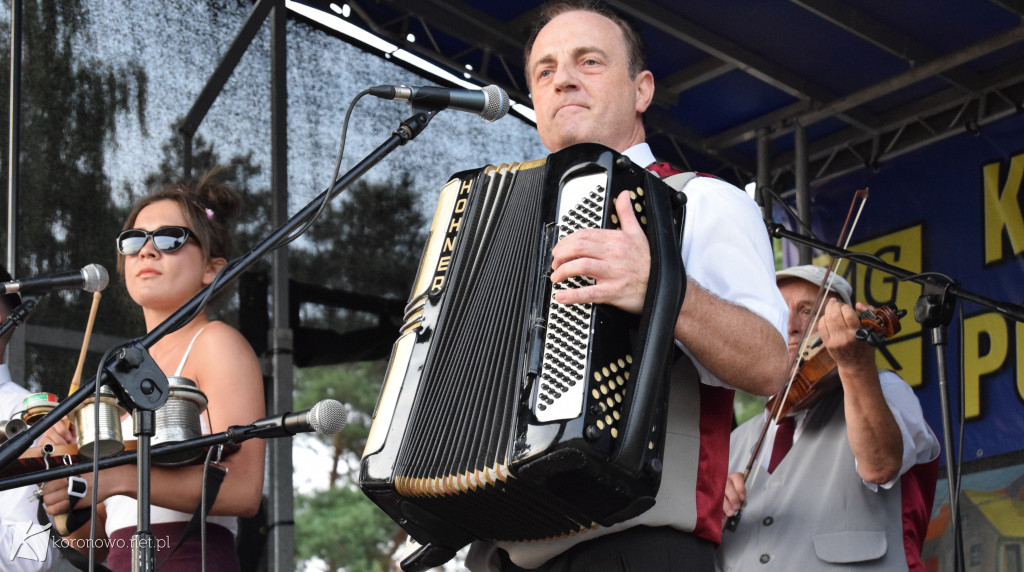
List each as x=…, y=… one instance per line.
x=878, y=325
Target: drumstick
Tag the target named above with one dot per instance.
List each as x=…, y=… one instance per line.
x=76, y=379
x=70, y=521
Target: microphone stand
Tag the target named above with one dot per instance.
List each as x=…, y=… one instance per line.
x=232, y=436
x=136, y=379
x=934, y=311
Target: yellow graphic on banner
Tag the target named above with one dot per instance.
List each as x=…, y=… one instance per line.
x=1002, y=214
x=986, y=349
x=902, y=249
x=1019, y=385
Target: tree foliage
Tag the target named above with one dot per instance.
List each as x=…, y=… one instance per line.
x=70, y=104
x=240, y=171
x=357, y=386
x=359, y=539
x=370, y=244
x=343, y=528
x=368, y=241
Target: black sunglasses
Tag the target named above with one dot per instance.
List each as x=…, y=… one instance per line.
x=165, y=239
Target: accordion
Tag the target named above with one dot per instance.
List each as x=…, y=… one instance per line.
x=505, y=415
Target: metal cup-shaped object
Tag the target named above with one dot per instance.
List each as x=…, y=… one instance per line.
x=178, y=420
x=36, y=405
x=10, y=428
x=108, y=435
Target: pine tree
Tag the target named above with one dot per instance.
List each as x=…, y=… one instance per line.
x=66, y=216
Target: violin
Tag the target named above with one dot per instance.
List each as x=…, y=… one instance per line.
x=816, y=370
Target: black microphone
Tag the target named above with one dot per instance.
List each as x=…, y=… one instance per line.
x=491, y=102
x=326, y=418
x=92, y=278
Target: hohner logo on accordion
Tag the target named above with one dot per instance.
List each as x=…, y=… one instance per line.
x=505, y=415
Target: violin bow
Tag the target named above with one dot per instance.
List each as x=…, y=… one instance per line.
x=754, y=463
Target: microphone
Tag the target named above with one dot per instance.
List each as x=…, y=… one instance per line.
x=92, y=278
x=326, y=418
x=491, y=102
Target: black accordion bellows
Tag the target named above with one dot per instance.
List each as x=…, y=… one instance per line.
x=505, y=415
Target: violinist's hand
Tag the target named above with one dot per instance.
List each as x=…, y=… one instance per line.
x=735, y=494
x=838, y=328
x=619, y=261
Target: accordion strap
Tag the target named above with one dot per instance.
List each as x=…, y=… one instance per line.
x=679, y=180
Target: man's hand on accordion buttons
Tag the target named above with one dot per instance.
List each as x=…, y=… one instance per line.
x=619, y=261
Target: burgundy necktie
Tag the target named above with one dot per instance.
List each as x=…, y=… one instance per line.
x=783, y=442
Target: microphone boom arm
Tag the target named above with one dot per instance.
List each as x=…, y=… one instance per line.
x=1013, y=311
x=235, y=434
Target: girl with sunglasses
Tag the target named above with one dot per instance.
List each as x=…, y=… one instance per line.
x=173, y=244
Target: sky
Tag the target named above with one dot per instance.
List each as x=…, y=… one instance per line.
x=180, y=42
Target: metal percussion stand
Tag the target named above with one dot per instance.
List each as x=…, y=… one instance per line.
x=141, y=387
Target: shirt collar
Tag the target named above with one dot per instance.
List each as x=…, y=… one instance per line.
x=640, y=154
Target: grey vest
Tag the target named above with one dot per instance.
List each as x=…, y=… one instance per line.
x=814, y=512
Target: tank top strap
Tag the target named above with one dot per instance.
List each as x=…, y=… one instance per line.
x=188, y=350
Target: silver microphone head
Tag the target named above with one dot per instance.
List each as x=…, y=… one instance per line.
x=96, y=278
x=497, y=102
x=327, y=417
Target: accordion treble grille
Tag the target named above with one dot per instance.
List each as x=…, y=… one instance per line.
x=563, y=378
x=458, y=436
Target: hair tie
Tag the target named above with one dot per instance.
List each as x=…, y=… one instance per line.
x=208, y=211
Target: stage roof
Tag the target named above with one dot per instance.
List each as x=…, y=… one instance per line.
x=869, y=80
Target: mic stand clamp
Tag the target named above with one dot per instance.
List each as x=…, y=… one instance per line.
x=141, y=387
x=934, y=311
x=18, y=315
